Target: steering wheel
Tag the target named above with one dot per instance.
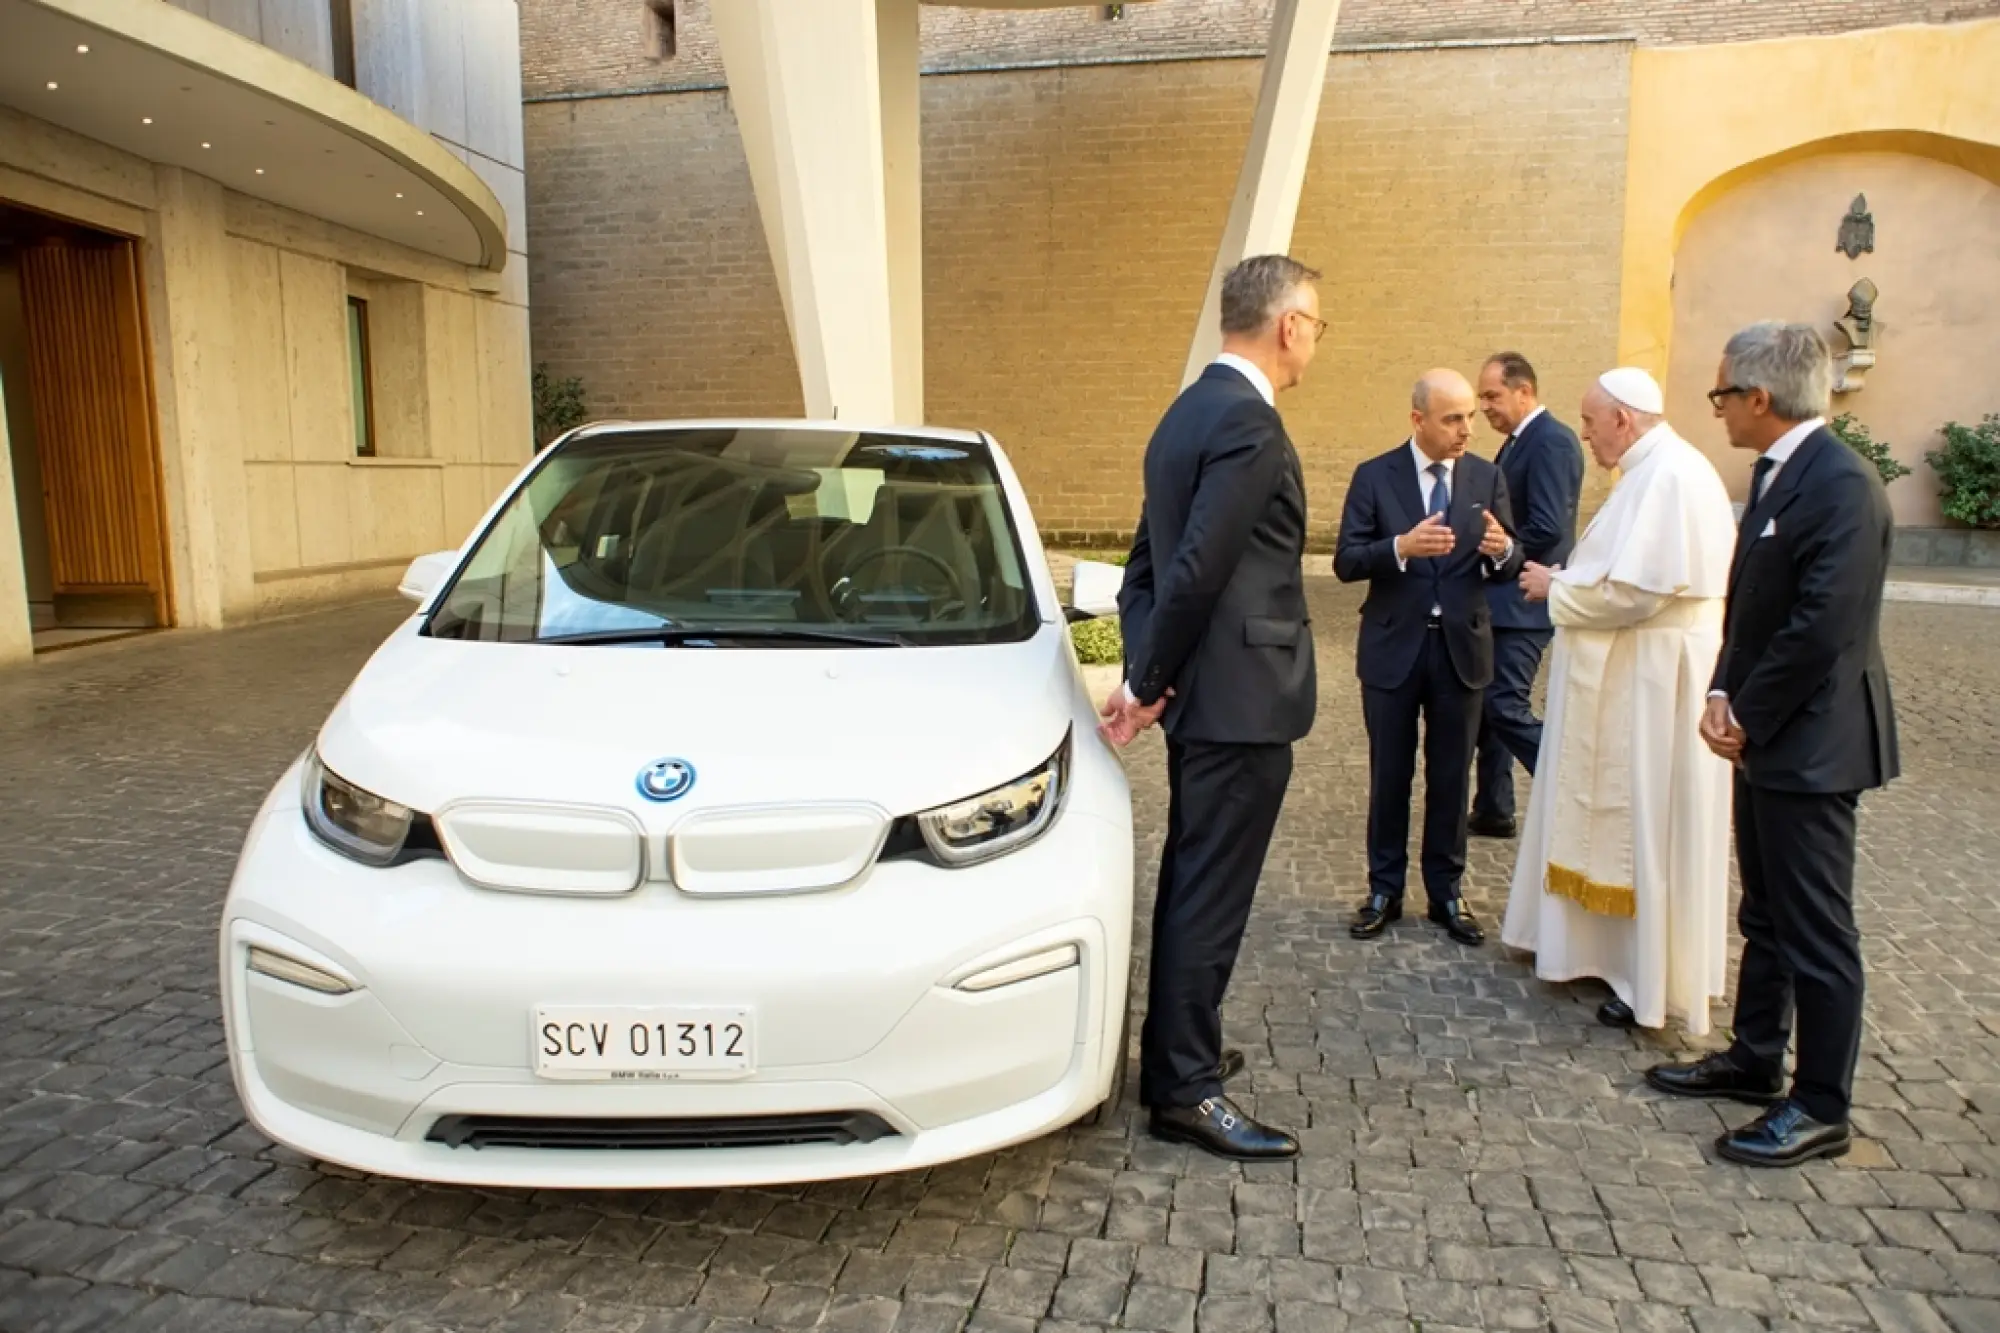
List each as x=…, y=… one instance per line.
x=845, y=597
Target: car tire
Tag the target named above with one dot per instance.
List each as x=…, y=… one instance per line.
x=1104, y=1110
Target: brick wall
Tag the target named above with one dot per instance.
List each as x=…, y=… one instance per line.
x=650, y=258
x=1457, y=200
x=595, y=45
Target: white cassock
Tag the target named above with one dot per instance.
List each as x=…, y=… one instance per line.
x=1624, y=863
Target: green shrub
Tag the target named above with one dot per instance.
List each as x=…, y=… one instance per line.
x=1856, y=437
x=1968, y=472
x=559, y=405
x=1098, y=642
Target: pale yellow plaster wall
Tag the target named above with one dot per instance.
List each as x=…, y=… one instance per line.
x=1765, y=251
x=1702, y=118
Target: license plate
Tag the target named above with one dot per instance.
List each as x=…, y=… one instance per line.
x=643, y=1043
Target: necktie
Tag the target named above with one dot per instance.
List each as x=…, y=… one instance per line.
x=1440, y=493
x=1759, y=474
x=1503, y=448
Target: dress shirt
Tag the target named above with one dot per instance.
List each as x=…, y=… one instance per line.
x=1787, y=445
x=1426, y=483
x=1249, y=370
x=1515, y=433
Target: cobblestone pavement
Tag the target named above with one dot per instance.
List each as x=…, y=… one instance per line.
x=1479, y=1153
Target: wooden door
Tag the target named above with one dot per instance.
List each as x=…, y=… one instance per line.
x=92, y=397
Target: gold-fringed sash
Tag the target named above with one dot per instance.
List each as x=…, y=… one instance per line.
x=1590, y=846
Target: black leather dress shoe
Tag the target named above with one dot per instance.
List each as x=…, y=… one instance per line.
x=1375, y=916
x=1784, y=1136
x=1615, y=1013
x=1716, y=1076
x=1231, y=1066
x=1217, y=1126
x=1490, y=826
x=1458, y=922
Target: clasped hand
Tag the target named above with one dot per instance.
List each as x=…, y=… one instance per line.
x=1535, y=580
x=1124, y=717
x=1720, y=733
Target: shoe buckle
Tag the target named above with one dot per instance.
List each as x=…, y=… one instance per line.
x=1208, y=1107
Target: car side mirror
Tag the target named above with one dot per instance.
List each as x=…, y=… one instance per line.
x=425, y=574
x=1094, y=589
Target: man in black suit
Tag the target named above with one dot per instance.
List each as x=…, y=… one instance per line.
x=1800, y=704
x=1427, y=526
x=1543, y=465
x=1218, y=647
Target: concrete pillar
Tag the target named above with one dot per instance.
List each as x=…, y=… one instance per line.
x=194, y=353
x=806, y=84
x=1266, y=202
x=17, y=642
x=900, y=69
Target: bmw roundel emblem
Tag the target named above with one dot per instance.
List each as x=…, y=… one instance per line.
x=666, y=779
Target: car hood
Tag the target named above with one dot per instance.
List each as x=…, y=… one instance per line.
x=428, y=722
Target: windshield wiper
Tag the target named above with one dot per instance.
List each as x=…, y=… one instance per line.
x=673, y=636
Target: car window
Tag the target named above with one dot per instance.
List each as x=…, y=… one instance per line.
x=760, y=529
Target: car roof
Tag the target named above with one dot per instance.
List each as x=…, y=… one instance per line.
x=944, y=433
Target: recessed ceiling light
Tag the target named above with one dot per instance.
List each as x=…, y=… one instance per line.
x=204, y=143
x=260, y=171
x=52, y=85
x=420, y=212
x=145, y=120
x=82, y=50
x=399, y=194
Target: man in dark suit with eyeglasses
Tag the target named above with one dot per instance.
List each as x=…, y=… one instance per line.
x=1800, y=704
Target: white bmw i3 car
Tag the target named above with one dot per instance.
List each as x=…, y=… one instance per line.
x=730, y=811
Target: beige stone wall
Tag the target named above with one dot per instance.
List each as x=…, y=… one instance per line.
x=1457, y=200
x=300, y=29
x=447, y=437
x=268, y=508
x=1766, y=251
x=597, y=45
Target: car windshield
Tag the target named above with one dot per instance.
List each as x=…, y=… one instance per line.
x=765, y=536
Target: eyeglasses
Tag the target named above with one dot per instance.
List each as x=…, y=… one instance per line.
x=1715, y=396
x=1319, y=325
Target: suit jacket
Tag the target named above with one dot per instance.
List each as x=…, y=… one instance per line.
x=1801, y=655
x=1214, y=601
x=1543, y=466
x=1384, y=501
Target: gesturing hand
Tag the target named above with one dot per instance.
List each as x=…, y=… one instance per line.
x=1535, y=580
x=1493, y=544
x=1430, y=537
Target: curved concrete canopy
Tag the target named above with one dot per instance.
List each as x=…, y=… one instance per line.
x=170, y=87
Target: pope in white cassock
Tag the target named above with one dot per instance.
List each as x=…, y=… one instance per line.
x=1624, y=863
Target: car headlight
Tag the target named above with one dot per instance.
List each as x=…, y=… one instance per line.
x=1001, y=820
x=354, y=822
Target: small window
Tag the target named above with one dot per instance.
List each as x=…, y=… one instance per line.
x=340, y=19
x=660, y=29
x=362, y=376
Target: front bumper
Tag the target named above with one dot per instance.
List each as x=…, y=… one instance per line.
x=857, y=1010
